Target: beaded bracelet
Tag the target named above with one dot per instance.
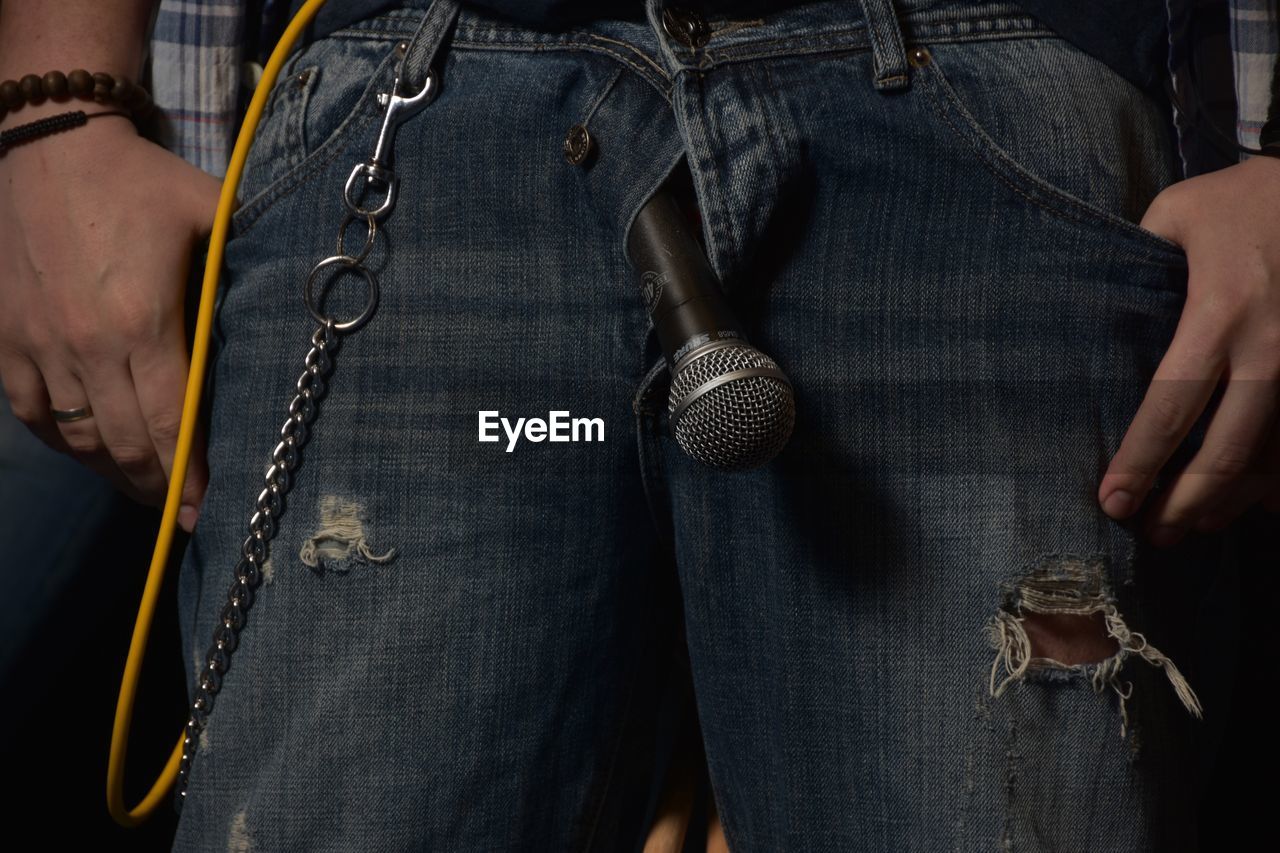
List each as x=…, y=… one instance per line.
x=49, y=125
x=101, y=87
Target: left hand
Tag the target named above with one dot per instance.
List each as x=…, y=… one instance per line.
x=1228, y=222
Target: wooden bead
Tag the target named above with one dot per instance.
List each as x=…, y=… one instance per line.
x=54, y=84
x=102, y=84
x=120, y=91
x=137, y=98
x=80, y=83
x=11, y=94
x=31, y=90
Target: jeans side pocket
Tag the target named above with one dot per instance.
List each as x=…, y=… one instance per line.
x=1059, y=130
x=330, y=93
x=279, y=143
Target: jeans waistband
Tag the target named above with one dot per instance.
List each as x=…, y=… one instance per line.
x=663, y=38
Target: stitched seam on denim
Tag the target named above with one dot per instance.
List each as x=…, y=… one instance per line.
x=944, y=96
x=662, y=72
x=926, y=23
x=273, y=145
x=265, y=134
x=769, y=108
x=856, y=36
x=472, y=37
x=863, y=48
x=246, y=217
x=604, y=93
x=650, y=459
x=1051, y=201
x=851, y=46
x=661, y=85
x=243, y=220
x=715, y=215
x=931, y=27
x=300, y=99
x=1046, y=195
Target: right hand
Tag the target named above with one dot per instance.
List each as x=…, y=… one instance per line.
x=97, y=230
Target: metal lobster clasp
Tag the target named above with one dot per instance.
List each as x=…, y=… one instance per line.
x=377, y=171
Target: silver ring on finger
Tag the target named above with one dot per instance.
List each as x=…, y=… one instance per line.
x=69, y=415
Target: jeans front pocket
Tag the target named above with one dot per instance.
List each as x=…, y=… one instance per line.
x=279, y=144
x=1060, y=130
x=325, y=92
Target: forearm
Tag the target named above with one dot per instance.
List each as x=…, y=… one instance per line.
x=97, y=35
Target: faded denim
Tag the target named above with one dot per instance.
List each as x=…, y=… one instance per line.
x=459, y=648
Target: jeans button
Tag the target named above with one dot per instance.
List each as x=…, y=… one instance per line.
x=685, y=26
x=577, y=145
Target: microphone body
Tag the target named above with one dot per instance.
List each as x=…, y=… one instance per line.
x=731, y=406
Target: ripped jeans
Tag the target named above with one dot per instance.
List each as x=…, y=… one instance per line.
x=931, y=224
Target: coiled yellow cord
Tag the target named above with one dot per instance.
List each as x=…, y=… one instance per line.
x=191, y=406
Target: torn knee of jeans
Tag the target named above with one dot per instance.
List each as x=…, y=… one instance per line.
x=341, y=541
x=1062, y=615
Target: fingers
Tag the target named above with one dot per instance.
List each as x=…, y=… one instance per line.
x=116, y=428
x=131, y=435
x=82, y=439
x=160, y=376
x=1261, y=485
x=1224, y=476
x=29, y=400
x=1183, y=383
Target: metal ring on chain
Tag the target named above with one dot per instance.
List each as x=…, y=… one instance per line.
x=255, y=551
x=371, y=224
x=349, y=263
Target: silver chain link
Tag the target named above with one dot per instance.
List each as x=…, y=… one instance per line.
x=311, y=387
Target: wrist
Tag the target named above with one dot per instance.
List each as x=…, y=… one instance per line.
x=69, y=150
x=32, y=112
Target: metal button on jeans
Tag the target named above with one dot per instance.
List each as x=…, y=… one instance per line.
x=685, y=26
x=577, y=145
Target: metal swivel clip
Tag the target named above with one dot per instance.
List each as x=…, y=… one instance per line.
x=377, y=171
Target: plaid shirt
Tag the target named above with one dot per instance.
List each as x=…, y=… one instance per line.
x=201, y=77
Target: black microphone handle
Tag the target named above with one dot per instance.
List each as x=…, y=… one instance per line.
x=679, y=287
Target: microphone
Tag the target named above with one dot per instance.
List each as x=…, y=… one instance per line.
x=731, y=406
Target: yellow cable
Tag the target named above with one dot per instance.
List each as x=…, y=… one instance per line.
x=195, y=384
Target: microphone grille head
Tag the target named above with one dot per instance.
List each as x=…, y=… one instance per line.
x=731, y=406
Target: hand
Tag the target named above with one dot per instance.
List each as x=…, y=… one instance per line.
x=1228, y=222
x=97, y=228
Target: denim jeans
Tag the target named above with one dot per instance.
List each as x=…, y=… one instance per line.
x=926, y=212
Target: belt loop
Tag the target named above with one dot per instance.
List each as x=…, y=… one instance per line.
x=425, y=42
x=887, y=51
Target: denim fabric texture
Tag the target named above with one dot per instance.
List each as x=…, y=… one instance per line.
x=459, y=648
